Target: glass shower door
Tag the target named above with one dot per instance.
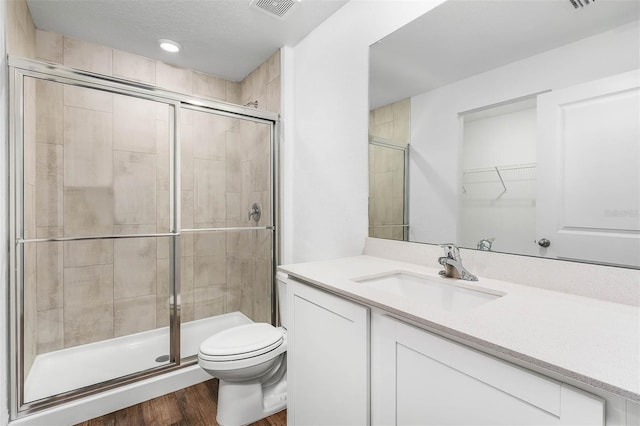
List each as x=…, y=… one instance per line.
x=226, y=223
x=388, y=192
x=94, y=204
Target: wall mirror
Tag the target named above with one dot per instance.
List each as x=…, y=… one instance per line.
x=510, y=126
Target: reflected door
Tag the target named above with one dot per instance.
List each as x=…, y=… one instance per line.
x=589, y=171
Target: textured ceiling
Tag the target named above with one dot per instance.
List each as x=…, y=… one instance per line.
x=462, y=38
x=226, y=38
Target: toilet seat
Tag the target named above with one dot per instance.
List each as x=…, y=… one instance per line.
x=241, y=342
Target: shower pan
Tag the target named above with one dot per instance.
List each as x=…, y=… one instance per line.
x=131, y=236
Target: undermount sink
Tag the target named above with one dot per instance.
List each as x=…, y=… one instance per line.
x=432, y=292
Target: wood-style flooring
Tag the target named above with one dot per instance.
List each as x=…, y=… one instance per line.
x=192, y=406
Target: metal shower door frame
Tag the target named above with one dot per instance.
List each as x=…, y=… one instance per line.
x=406, y=151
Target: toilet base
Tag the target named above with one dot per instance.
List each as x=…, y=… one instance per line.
x=241, y=404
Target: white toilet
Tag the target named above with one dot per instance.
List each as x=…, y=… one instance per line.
x=250, y=361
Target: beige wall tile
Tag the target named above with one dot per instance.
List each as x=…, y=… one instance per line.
x=49, y=185
x=273, y=95
x=88, y=211
x=209, y=191
x=163, y=214
x=173, y=78
x=208, y=86
x=383, y=114
x=260, y=174
x=187, y=209
x=233, y=92
x=29, y=130
x=210, y=259
x=210, y=136
x=49, y=109
x=384, y=130
x=162, y=277
x=20, y=31
x=186, y=276
x=210, y=244
x=88, y=145
x=233, y=161
x=134, y=315
x=81, y=97
x=50, y=330
x=186, y=156
x=162, y=151
x=186, y=244
x=30, y=308
x=134, y=124
x=29, y=211
x=134, y=268
x=402, y=121
x=49, y=270
x=134, y=67
x=209, y=270
x=236, y=216
x=209, y=301
x=88, y=304
x=134, y=188
x=87, y=253
x=273, y=66
x=50, y=232
x=87, y=56
x=162, y=311
x=49, y=46
x=162, y=292
x=254, y=87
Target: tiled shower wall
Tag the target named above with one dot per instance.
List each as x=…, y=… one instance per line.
x=391, y=124
x=78, y=292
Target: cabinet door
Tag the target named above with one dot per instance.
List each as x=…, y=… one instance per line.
x=328, y=364
x=421, y=379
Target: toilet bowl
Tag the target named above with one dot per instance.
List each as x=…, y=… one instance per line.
x=250, y=362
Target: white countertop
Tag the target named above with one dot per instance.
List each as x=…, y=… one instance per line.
x=588, y=340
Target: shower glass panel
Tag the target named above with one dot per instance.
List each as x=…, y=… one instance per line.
x=226, y=217
x=388, y=202
x=95, y=265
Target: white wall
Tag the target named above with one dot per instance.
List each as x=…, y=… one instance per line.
x=4, y=371
x=435, y=170
x=488, y=210
x=324, y=155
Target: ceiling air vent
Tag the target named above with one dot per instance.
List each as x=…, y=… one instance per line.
x=276, y=8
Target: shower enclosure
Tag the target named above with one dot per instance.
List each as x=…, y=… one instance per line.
x=141, y=221
x=388, y=190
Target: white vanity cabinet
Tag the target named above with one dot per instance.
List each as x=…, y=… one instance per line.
x=419, y=378
x=328, y=359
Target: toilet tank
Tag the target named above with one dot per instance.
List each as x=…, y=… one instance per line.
x=281, y=278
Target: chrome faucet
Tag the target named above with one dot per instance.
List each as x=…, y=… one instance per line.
x=485, y=244
x=452, y=262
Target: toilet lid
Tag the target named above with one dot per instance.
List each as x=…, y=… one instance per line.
x=249, y=339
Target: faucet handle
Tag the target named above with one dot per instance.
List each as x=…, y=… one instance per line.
x=451, y=250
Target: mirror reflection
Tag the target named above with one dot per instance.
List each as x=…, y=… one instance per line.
x=518, y=124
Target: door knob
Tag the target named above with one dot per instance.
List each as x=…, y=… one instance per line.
x=543, y=242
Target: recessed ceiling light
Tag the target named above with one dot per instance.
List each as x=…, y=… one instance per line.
x=169, y=45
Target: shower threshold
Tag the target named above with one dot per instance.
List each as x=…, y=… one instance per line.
x=68, y=369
